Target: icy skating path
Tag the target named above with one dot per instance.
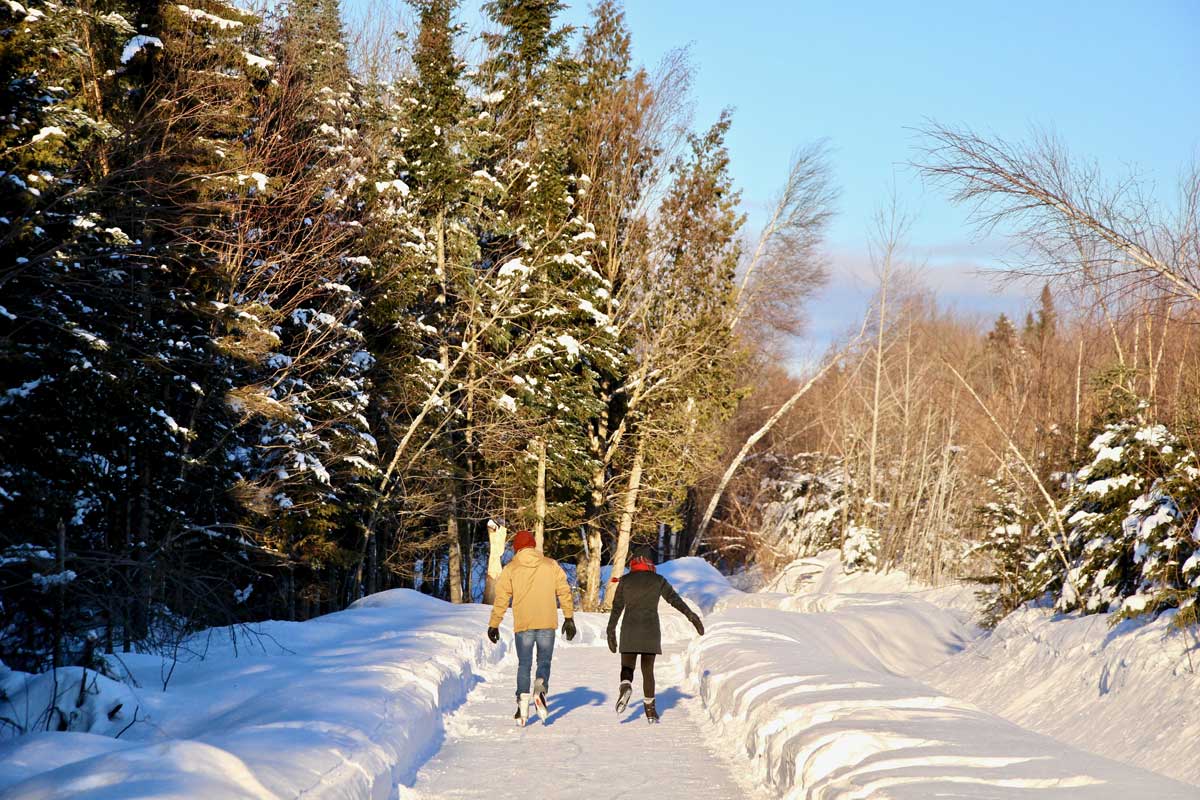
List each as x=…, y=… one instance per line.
x=585, y=749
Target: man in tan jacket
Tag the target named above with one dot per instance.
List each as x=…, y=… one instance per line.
x=532, y=582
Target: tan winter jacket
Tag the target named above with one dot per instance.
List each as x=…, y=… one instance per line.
x=531, y=582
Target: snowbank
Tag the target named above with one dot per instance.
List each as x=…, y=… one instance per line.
x=823, y=712
x=904, y=624
x=825, y=575
x=345, y=705
x=698, y=582
x=1128, y=692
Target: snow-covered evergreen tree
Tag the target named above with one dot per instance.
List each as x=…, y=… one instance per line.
x=1129, y=520
x=558, y=340
x=1007, y=541
x=304, y=449
x=810, y=510
x=117, y=344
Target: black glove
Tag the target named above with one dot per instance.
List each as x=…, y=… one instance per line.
x=612, y=641
x=569, y=628
x=494, y=634
x=699, y=625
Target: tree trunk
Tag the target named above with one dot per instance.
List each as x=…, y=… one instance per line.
x=60, y=597
x=468, y=536
x=471, y=501
x=372, y=565
x=590, y=587
x=497, y=534
x=883, y=293
x=454, y=566
x=305, y=604
x=625, y=527
x=291, y=593
x=602, y=442
x=539, y=524
x=429, y=566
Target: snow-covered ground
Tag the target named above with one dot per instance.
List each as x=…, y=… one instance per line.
x=822, y=686
x=345, y=705
x=1130, y=692
x=822, y=708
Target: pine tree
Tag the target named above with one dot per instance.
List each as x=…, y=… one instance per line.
x=112, y=294
x=1128, y=519
x=560, y=341
x=438, y=149
x=1042, y=326
x=809, y=500
x=1007, y=539
x=431, y=310
x=54, y=352
x=1164, y=524
x=304, y=448
x=684, y=357
x=1003, y=335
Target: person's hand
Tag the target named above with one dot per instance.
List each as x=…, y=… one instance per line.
x=699, y=626
x=612, y=641
x=494, y=634
x=569, y=628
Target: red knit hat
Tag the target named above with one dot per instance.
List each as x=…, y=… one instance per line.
x=642, y=561
x=522, y=540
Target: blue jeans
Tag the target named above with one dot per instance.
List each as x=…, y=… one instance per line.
x=544, y=639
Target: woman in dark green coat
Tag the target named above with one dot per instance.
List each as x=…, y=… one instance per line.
x=638, y=592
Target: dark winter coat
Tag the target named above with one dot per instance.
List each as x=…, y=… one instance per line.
x=637, y=596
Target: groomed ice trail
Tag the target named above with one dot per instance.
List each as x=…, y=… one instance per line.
x=585, y=749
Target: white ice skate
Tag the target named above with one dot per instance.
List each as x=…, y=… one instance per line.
x=523, y=710
x=623, y=695
x=539, y=699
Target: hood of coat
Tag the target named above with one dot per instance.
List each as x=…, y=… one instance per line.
x=528, y=557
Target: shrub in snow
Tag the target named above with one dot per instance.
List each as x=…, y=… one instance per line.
x=1129, y=522
x=67, y=699
x=1008, y=543
x=861, y=548
x=810, y=503
x=811, y=513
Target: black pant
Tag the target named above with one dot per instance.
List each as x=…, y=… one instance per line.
x=627, y=662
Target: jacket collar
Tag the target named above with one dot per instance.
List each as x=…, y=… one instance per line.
x=528, y=557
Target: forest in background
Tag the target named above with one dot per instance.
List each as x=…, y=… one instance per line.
x=279, y=331
x=1051, y=458
x=288, y=313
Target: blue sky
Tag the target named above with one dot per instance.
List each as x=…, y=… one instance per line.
x=1119, y=82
